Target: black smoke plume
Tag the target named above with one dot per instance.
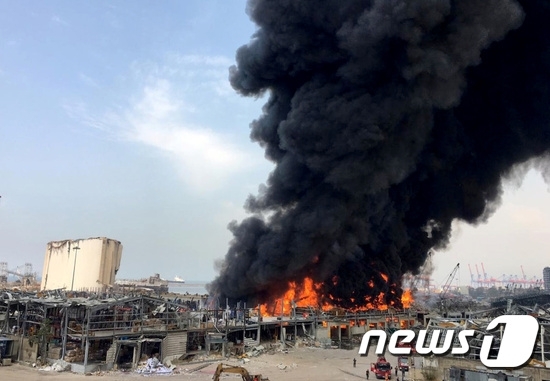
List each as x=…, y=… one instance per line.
x=387, y=120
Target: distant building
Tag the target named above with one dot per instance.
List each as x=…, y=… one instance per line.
x=546, y=278
x=83, y=264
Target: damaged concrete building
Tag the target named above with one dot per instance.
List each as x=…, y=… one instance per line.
x=81, y=265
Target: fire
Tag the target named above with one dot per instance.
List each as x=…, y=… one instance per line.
x=306, y=294
x=407, y=298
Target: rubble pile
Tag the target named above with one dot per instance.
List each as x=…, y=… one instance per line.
x=58, y=366
x=74, y=355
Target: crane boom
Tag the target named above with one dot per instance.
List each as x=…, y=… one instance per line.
x=478, y=274
x=449, y=281
x=484, y=272
x=471, y=275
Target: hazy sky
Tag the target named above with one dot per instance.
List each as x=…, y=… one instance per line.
x=117, y=120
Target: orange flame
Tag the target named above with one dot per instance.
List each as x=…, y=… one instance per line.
x=407, y=298
x=304, y=296
x=307, y=295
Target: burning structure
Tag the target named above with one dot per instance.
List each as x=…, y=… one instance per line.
x=111, y=330
x=386, y=121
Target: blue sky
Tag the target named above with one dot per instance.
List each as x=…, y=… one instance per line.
x=117, y=120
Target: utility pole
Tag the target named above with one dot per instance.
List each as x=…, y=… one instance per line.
x=74, y=266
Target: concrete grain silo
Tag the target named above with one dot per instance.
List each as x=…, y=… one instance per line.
x=82, y=264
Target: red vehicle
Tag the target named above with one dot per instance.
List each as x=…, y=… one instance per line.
x=381, y=368
x=407, y=345
x=403, y=363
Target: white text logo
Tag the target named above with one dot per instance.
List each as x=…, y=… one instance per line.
x=516, y=347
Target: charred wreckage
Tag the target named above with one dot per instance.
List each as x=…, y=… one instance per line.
x=102, y=332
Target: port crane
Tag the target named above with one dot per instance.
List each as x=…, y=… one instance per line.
x=472, y=281
x=27, y=276
x=479, y=281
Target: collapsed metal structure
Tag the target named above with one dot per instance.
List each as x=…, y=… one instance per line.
x=102, y=332
x=467, y=366
x=113, y=331
x=85, y=330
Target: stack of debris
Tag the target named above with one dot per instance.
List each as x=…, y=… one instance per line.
x=255, y=351
x=58, y=366
x=74, y=355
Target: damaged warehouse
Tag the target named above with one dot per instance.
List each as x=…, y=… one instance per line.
x=94, y=333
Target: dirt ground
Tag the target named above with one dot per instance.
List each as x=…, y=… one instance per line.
x=299, y=364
